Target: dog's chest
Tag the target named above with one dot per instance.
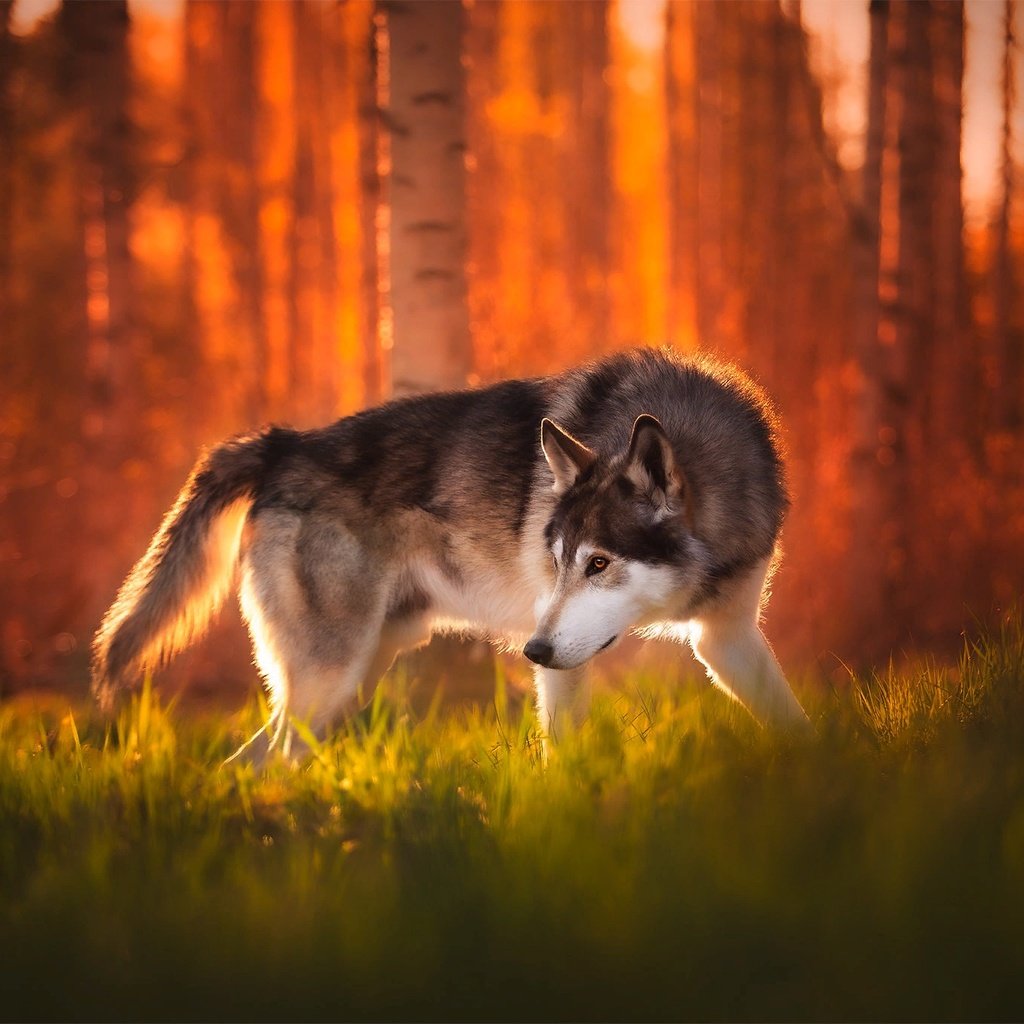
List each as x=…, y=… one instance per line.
x=497, y=599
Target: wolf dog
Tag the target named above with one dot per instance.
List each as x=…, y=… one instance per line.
x=643, y=492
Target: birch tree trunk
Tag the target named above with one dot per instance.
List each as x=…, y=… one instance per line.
x=426, y=120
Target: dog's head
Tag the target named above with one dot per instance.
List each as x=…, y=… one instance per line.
x=621, y=541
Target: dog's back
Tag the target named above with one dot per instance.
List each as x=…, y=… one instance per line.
x=471, y=459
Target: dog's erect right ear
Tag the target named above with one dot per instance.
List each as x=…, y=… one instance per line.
x=651, y=466
x=566, y=456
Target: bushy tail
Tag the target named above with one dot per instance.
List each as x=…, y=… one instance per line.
x=182, y=579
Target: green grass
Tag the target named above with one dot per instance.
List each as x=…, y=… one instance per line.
x=672, y=861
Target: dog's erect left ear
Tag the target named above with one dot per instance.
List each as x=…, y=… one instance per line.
x=566, y=456
x=651, y=465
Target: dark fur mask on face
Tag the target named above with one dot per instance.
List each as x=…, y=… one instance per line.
x=635, y=506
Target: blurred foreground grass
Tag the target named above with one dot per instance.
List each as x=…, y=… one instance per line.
x=672, y=862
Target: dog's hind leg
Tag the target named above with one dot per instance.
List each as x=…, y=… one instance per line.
x=315, y=615
x=563, y=698
x=323, y=694
x=728, y=641
x=316, y=684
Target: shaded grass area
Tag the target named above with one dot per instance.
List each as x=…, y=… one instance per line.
x=672, y=861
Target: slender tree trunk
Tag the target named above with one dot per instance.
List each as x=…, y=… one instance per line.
x=761, y=166
x=911, y=397
x=785, y=177
x=240, y=189
x=710, y=284
x=223, y=100
x=376, y=381
x=95, y=66
x=1005, y=380
x=865, y=566
x=321, y=48
x=484, y=82
x=556, y=64
x=919, y=153
x=306, y=357
x=7, y=58
x=954, y=362
x=98, y=68
x=733, y=32
x=199, y=203
x=268, y=126
x=572, y=48
x=682, y=103
x=590, y=110
x=428, y=189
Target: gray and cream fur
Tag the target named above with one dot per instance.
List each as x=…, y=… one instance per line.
x=643, y=492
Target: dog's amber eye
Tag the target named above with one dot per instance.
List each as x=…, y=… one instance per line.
x=596, y=564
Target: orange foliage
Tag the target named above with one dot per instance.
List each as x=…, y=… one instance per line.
x=624, y=186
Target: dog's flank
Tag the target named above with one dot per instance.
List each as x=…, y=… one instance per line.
x=641, y=492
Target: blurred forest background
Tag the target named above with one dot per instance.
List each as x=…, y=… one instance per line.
x=218, y=214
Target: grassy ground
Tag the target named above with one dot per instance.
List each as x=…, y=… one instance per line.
x=672, y=862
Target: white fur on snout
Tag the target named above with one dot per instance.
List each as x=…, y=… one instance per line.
x=579, y=624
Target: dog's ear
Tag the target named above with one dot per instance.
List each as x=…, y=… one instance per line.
x=651, y=465
x=566, y=456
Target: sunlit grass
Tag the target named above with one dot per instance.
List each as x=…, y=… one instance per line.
x=671, y=861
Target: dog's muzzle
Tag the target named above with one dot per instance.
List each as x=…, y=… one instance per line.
x=540, y=652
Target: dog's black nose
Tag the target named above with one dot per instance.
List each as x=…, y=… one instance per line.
x=539, y=651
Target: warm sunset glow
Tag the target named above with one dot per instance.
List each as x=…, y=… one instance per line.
x=200, y=242
x=643, y=23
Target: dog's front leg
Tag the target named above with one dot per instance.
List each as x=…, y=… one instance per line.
x=739, y=660
x=563, y=698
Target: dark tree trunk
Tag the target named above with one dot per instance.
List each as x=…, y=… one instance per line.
x=869, y=456
x=910, y=406
x=7, y=59
x=306, y=362
x=710, y=283
x=683, y=103
x=376, y=375
x=97, y=69
x=593, y=201
x=221, y=112
x=954, y=384
x=1005, y=376
x=573, y=39
x=484, y=86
